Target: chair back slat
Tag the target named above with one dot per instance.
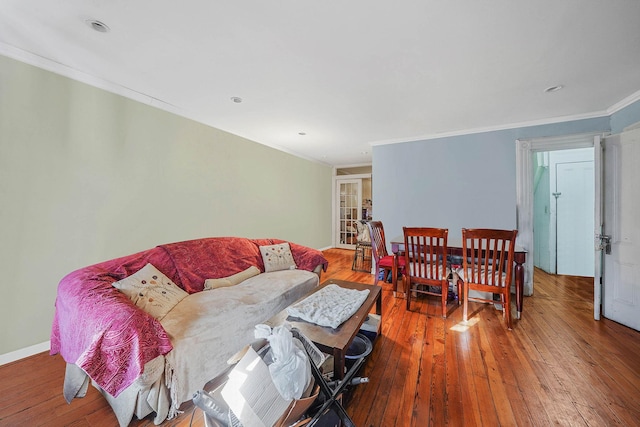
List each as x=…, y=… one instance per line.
x=378, y=242
x=488, y=264
x=382, y=260
x=426, y=262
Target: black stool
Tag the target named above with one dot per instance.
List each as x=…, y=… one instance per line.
x=362, y=257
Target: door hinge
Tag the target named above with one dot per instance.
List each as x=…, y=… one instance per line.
x=604, y=243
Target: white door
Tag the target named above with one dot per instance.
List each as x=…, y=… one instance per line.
x=574, y=209
x=349, y=211
x=621, y=221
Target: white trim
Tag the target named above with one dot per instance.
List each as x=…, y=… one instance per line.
x=598, y=215
x=540, y=122
x=65, y=70
x=353, y=165
x=24, y=352
x=524, y=188
x=624, y=103
x=354, y=176
x=82, y=77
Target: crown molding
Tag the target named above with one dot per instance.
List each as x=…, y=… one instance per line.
x=82, y=77
x=66, y=71
x=624, y=103
x=517, y=125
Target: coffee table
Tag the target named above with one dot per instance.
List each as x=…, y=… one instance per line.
x=335, y=341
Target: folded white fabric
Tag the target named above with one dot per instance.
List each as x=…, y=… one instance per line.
x=330, y=306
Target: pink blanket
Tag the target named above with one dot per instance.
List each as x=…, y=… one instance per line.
x=100, y=330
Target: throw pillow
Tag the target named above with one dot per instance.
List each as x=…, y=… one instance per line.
x=277, y=257
x=232, y=280
x=151, y=290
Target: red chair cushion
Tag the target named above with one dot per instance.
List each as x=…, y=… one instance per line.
x=387, y=262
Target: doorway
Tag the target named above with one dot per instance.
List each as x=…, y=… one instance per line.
x=526, y=150
x=563, y=211
x=352, y=203
x=349, y=212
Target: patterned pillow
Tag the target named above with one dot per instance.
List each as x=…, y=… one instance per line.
x=151, y=290
x=277, y=257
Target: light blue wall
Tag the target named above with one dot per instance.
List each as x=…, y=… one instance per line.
x=625, y=117
x=455, y=182
x=542, y=214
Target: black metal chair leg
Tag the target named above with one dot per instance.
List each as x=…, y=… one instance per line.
x=332, y=401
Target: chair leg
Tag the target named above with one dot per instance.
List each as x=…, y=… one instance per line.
x=465, y=306
x=507, y=308
x=445, y=294
x=394, y=276
x=377, y=274
x=407, y=290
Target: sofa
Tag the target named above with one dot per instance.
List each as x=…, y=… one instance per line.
x=143, y=362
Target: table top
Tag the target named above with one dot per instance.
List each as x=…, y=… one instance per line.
x=329, y=338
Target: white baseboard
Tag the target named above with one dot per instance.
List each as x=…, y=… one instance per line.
x=24, y=352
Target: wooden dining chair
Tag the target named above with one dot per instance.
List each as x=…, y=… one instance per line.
x=425, y=253
x=381, y=258
x=488, y=267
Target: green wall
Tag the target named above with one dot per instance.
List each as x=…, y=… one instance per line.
x=86, y=175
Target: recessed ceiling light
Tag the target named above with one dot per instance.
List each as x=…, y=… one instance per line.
x=553, y=89
x=100, y=27
x=236, y=99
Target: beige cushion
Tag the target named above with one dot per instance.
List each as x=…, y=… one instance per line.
x=277, y=257
x=480, y=275
x=232, y=280
x=151, y=290
x=442, y=271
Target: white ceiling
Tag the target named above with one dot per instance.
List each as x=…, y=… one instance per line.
x=349, y=74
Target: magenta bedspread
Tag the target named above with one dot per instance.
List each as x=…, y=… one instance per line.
x=100, y=330
x=202, y=259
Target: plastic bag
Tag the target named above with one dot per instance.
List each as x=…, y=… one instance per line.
x=290, y=370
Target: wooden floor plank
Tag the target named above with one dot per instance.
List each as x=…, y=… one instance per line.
x=557, y=366
x=422, y=400
x=470, y=403
x=495, y=375
x=405, y=413
x=406, y=337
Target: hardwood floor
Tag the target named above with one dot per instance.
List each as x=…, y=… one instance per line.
x=557, y=367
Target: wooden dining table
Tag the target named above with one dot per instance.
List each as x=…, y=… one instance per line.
x=454, y=247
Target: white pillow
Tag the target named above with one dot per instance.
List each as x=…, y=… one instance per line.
x=277, y=257
x=151, y=290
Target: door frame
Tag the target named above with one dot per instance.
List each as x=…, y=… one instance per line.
x=525, y=149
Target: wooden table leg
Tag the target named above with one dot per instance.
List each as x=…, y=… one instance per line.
x=394, y=275
x=519, y=285
x=338, y=364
